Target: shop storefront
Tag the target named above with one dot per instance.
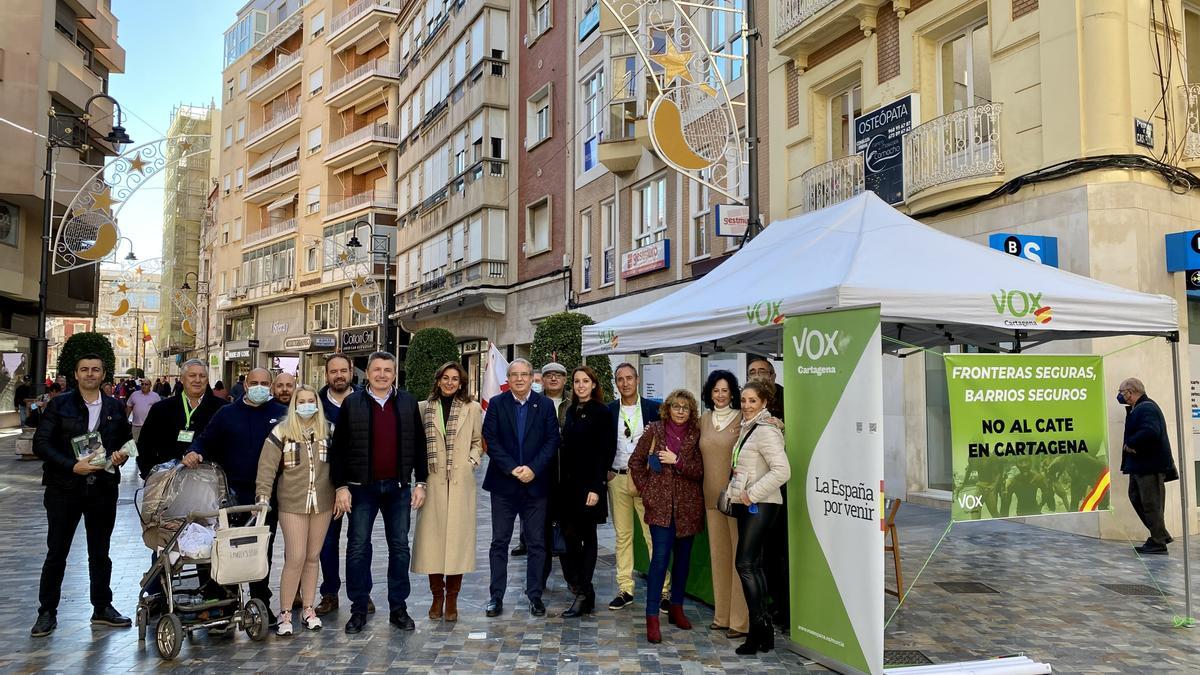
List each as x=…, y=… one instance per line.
x=239, y=359
x=358, y=343
x=313, y=350
x=279, y=326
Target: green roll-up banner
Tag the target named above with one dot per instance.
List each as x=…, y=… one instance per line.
x=834, y=409
x=1029, y=434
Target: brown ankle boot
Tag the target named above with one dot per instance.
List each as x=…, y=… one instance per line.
x=437, y=586
x=453, y=586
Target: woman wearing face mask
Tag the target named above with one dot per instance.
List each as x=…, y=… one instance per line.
x=444, y=543
x=296, y=453
x=719, y=430
x=760, y=468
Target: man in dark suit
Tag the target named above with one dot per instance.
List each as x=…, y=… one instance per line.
x=521, y=432
x=632, y=414
x=77, y=425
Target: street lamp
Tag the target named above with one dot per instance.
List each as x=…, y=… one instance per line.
x=68, y=139
x=202, y=293
x=381, y=245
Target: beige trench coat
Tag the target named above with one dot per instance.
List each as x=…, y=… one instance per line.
x=444, y=542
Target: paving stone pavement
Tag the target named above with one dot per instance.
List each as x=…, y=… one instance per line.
x=1050, y=604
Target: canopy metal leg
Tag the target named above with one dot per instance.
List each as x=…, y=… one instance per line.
x=1183, y=483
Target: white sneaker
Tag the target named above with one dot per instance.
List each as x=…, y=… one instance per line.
x=285, y=623
x=311, y=620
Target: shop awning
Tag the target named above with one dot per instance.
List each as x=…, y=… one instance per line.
x=283, y=202
x=286, y=151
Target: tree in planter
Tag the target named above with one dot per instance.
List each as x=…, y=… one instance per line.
x=559, y=337
x=135, y=372
x=81, y=344
x=428, y=350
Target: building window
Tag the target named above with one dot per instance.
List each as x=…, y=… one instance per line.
x=622, y=111
x=237, y=229
x=229, y=90
x=243, y=79
x=228, y=183
x=65, y=19
x=700, y=215
x=316, y=80
x=323, y=315
x=725, y=42
x=241, y=129
x=585, y=250
x=592, y=123
x=649, y=212
x=317, y=26
x=539, y=18
x=229, y=136
x=311, y=257
x=965, y=63
x=239, y=177
x=537, y=227
x=314, y=140
x=225, y=233
x=312, y=200
x=843, y=108
x=608, y=242
x=1191, y=43
x=540, y=118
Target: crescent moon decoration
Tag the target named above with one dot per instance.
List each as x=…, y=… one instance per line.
x=122, y=309
x=90, y=221
x=355, y=267
x=691, y=113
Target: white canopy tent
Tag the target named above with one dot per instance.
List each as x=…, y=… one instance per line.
x=933, y=289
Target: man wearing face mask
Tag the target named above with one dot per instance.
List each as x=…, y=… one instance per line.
x=1146, y=458
x=283, y=387
x=234, y=439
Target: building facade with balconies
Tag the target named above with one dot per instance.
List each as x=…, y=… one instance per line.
x=1000, y=117
x=56, y=54
x=307, y=150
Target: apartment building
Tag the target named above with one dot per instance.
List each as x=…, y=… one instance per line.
x=949, y=100
x=55, y=53
x=185, y=194
x=307, y=154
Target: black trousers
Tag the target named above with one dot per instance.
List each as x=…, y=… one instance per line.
x=505, y=510
x=579, y=560
x=98, y=509
x=754, y=529
x=775, y=566
x=1148, y=494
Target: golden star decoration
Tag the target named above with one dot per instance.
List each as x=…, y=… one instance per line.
x=674, y=62
x=360, y=280
x=343, y=256
x=137, y=164
x=103, y=201
x=122, y=288
x=138, y=270
x=185, y=145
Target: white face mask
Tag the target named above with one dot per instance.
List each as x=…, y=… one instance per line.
x=306, y=410
x=537, y=386
x=258, y=394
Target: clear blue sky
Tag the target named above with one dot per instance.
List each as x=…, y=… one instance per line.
x=173, y=52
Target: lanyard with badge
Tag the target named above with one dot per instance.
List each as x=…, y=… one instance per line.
x=629, y=424
x=186, y=434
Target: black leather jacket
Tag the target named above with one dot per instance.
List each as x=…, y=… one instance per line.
x=66, y=417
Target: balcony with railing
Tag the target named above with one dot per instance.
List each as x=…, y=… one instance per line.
x=284, y=122
x=452, y=280
x=363, y=83
x=953, y=157
x=282, y=179
x=277, y=229
x=359, y=145
x=362, y=20
x=283, y=75
x=803, y=26
x=832, y=182
x=374, y=200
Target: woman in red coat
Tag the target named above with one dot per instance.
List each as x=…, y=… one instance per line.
x=668, y=470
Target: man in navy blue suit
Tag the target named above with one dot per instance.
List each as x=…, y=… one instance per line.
x=521, y=431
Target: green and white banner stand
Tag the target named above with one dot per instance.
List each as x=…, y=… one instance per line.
x=834, y=410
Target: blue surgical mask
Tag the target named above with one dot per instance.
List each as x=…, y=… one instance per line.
x=306, y=410
x=1121, y=398
x=537, y=386
x=258, y=394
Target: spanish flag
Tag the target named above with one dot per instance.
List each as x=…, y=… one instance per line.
x=1092, y=501
x=145, y=332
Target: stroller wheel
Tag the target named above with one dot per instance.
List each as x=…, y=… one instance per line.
x=168, y=636
x=255, y=620
x=142, y=616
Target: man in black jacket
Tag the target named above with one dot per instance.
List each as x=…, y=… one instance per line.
x=77, y=489
x=378, y=445
x=174, y=423
x=1146, y=458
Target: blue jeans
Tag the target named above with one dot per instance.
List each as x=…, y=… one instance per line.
x=366, y=501
x=331, y=558
x=664, y=543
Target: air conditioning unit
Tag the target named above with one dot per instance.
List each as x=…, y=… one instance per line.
x=314, y=325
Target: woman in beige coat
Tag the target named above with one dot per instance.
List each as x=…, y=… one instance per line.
x=444, y=544
x=760, y=468
x=719, y=430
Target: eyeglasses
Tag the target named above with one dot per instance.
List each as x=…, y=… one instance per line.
x=521, y=376
x=681, y=407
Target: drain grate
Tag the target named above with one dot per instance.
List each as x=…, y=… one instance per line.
x=965, y=587
x=1134, y=589
x=905, y=657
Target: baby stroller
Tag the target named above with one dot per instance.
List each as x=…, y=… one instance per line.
x=179, y=509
